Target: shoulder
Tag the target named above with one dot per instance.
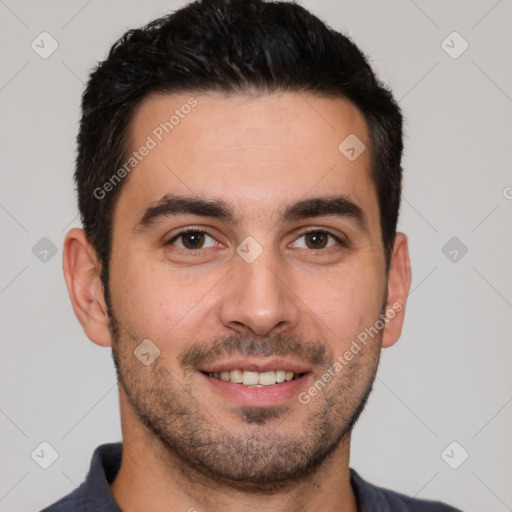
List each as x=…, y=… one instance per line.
x=73, y=501
x=94, y=495
x=372, y=498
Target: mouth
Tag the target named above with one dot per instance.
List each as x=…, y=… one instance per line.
x=253, y=384
x=254, y=379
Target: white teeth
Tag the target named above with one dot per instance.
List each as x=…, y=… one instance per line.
x=267, y=378
x=250, y=378
x=236, y=376
x=255, y=379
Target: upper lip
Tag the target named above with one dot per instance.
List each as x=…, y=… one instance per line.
x=254, y=365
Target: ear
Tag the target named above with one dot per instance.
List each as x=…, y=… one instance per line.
x=82, y=273
x=399, y=282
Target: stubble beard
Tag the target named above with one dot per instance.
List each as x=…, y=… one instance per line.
x=259, y=456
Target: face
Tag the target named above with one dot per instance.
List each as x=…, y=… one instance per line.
x=283, y=270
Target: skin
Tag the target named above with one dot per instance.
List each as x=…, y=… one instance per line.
x=259, y=154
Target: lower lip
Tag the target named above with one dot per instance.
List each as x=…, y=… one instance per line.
x=268, y=396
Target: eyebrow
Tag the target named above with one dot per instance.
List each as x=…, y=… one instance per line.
x=174, y=205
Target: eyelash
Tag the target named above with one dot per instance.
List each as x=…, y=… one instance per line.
x=199, y=251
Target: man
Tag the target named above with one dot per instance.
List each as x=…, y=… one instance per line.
x=239, y=182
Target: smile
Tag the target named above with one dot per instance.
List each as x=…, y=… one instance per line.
x=255, y=379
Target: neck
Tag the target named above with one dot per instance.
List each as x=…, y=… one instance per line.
x=153, y=478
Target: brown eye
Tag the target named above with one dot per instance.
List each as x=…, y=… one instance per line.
x=318, y=239
x=190, y=240
x=193, y=240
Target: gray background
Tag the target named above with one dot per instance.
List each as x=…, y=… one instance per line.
x=447, y=379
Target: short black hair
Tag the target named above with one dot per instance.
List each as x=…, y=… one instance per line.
x=232, y=47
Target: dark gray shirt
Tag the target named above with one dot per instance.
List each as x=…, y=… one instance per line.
x=94, y=494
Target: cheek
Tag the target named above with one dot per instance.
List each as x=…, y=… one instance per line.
x=346, y=302
x=139, y=294
x=163, y=305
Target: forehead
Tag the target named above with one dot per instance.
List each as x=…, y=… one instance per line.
x=259, y=153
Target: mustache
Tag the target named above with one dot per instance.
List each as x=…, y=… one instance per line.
x=281, y=344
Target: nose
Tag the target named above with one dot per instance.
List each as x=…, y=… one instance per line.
x=259, y=297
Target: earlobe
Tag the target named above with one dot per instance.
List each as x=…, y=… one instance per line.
x=82, y=274
x=399, y=282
